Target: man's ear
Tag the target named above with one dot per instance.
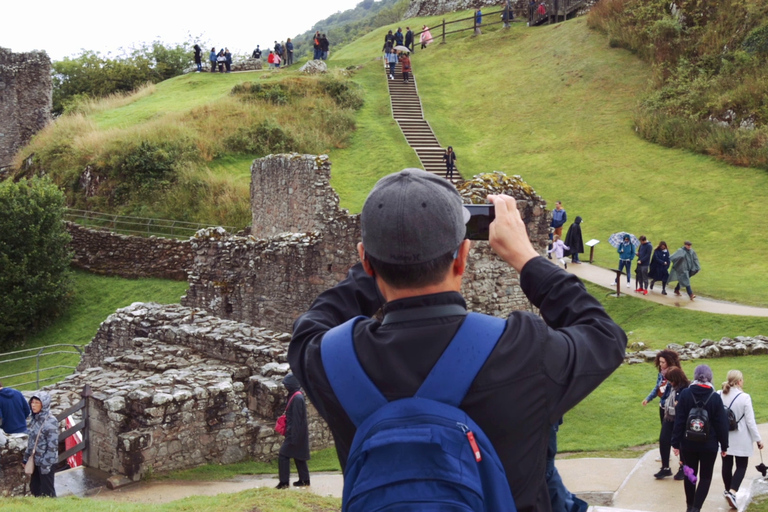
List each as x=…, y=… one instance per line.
x=460, y=263
x=366, y=264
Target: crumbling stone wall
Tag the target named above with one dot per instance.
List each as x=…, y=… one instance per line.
x=269, y=282
x=103, y=252
x=25, y=99
x=174, y=388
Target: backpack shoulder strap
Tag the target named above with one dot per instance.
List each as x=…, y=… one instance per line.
x=356, y=392
x=453, y=374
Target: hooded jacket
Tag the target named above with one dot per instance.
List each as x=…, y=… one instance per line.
x=47, y=450
x=573, y=238
x=685, y=263
x=296, y=443
x=14, y=411
x=626, y=251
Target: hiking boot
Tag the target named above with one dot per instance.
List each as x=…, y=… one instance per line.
x=731, y=499
x=677, y=293
x=301, y=483
x=692, y=296
x=663, y=292
x=664, y=472
x=680, y=475
x=282, y=485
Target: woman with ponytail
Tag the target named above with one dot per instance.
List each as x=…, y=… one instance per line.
x=739, y=440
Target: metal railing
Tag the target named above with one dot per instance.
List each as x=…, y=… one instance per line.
x=81, y=426
x=140, y=226
x=38, y=353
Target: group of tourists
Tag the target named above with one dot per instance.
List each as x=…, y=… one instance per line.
x=698, y=423
x=221, y=60
x=320, y=46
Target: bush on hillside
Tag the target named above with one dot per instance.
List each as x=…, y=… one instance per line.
x=710, y=72
x=265, y=138
x=34, y=257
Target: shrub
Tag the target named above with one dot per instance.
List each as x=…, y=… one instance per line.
x=34, y=257
x=265, y=138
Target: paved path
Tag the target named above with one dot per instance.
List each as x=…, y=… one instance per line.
x=609, y=485
x=605, y=277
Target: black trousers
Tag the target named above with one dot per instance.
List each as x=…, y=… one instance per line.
x=284, y=469
x=665, y=439
x=732, y=480
x=42, y=485
x=703, y=464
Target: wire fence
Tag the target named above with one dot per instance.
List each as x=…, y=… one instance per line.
x=55, y=370
x=140, y=226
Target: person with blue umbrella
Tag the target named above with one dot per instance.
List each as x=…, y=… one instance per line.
x=626, y=250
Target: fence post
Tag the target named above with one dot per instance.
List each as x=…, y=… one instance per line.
x=37, y=364
x=443, y=31
x=86, y=396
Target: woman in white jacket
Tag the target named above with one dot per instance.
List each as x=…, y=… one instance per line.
x=739, y=440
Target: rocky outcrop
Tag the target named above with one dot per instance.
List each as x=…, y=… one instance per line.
x=707, y=349
x=314, y=67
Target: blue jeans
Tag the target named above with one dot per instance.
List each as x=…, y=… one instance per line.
x=687, y=288
x=318, y=54
x=575, y=257
x=560, y=497
x=628, y=264
x=392, y=68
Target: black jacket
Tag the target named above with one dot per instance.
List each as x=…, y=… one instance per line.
x=644, y=254
x=296, y=443
x=409, y=38
x=325, y=45
x=718, y=420
x=573, y=238
x=539, y=370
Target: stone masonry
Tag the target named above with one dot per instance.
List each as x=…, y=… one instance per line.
x=25, y=99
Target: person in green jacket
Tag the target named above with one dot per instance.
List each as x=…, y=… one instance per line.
x=685, y=264
x=626, y=254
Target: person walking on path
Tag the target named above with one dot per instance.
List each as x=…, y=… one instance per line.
x=425, y=37
x=42, y=445
x=626, y=252
x=288, y=52
x=685, y=264
x=574, y=241
x=389, y=40
x=665, y=359
x=559, y=248
x=212, y=58
x=296, y=443
x=740, y=440
x=391, y=58
x=677, y=381
x=198, y=58
x=14, y=411
x=405, y=63
x=478, y=21
x=659, y=268
x=409, y=38
x=450, y=161
x=700, y=454
x=643, y=263
x=548, y=362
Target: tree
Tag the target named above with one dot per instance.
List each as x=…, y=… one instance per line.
x=34, y=257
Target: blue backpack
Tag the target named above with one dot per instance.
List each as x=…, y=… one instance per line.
x=421, y=453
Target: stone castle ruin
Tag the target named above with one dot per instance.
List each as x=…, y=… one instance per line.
x=25, y=99
x=183, y=385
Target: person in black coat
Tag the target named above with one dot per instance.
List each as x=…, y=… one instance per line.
x=296, y=444
x=700, y=455
x=659, y=270
x=198, y=58
x=409, y=38
x=574, y=241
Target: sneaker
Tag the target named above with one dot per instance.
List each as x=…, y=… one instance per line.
x=629, y=285
x=663, y=292
x=677, y=293
x=301, y=483
x=663, y=472
x=391, y=77
x=731, y=499
x=638, y=290
x=692, y=296
x=282, y=485
x=680, y=475
x=614, y=283
x=645, y=292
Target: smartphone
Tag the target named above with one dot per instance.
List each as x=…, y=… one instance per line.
x=480, y=220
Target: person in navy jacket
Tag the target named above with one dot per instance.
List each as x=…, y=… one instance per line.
x=659, y=269
x=643, y=263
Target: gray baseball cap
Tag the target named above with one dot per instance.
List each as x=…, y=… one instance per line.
x=411, y=217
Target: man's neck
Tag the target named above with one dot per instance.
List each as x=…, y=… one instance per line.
x=391, y=294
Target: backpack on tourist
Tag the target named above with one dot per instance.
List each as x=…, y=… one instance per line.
x=422, y=452
x=733, y=423
x=697, y=425
x=669, y=405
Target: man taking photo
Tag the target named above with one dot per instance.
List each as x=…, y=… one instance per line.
x=413, y=258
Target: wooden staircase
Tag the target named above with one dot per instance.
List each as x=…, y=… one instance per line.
x=406, y=109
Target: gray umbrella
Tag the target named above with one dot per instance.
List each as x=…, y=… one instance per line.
x=402, y=48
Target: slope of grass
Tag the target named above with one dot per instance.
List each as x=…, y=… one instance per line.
x=95, y=298
x=554, y=104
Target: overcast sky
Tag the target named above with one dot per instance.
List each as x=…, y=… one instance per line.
x=63, y=27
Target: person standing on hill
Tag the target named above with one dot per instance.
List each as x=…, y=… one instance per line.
x=325, y=47
x=685, y=264
x=42, y=445
x=389, y=40
x=409, y=38
x=643, y=263
x=14, y=411
x=212, y=58
x=228, y=61
x=221, y=60
x=256, y=53
x=399, y=37
x=659, y=269
x=288, y=52
x=450, y=161
x=316, y=46
x=296, y=443
x=198, y=58
x=405, y=63
x=271, y=59
x=559, y=217
x=574, y=241
x=478, y=21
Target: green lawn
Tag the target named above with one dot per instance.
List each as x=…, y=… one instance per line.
x=554, y=104
x=247, y=501
x=94, y=299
